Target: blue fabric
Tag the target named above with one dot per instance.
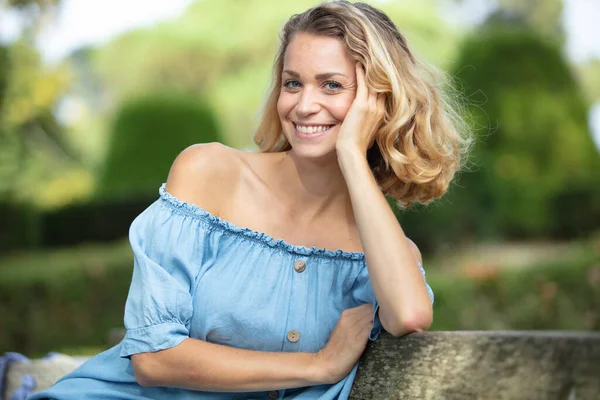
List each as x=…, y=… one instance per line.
x=196, y=275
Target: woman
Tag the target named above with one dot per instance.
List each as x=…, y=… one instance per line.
x=220, y=309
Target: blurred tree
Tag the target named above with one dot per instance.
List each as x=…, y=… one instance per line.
x=148, y=133
x=535, y=169
x=539, y=143
x=231, y=66
x=4, y=68
x=33, y=144
x=543, y=16
x=28, y=3
x=33, y=14
x=589, y=73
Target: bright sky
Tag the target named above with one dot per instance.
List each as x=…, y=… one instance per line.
x=87, y=22
x=580, y=19
x=81, y=22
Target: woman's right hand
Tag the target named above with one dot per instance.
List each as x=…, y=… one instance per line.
x=346, y=343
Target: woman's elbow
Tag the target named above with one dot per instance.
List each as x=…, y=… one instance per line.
x=417, y=321
x=143, y=371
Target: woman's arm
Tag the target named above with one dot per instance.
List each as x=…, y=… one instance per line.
x=399, y=287
x=198, y=365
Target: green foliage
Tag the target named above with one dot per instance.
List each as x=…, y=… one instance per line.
x=72, y=298
x=7, y=138
x=63, y=299
x=590, y=79
x=535, y=145
x=544, y=16
x=556, y=296
x=196, y=53
x=148, y=133
x=19, y=226
x=42, y=4
x=33, y=149
x=95, y=221
x=4, y=71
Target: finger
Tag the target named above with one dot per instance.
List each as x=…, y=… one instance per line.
x=351, y=314
x=373, y=101
x=361, y=87
x=366, y=308
x=367, y=311
x=365, y=332
x=368, y=317
x=359, y=310
x=355, y=314
x=362, y=307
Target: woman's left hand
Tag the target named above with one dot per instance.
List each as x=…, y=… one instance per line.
x=357, y=132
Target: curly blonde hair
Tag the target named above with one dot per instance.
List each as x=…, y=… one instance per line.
x=422, y=141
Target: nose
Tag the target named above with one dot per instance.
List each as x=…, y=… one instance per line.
x=307, y=103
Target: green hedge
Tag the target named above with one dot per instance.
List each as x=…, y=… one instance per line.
x=72, y=298
x=534, y=170
x=99, y=220
x=147, y=134
x=63, y=299
x=19, y=226
x=556, y=296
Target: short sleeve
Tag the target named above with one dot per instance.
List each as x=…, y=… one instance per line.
x=363, y=293
x=429, y=290
x=158, y=310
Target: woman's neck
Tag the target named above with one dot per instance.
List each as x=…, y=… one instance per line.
x=311, y=188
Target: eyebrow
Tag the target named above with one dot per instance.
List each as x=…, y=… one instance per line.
x=317, y=77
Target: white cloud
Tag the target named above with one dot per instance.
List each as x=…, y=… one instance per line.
x=81, y=23
x=580, y=19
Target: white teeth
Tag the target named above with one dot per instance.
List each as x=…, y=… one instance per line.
x=312, y=129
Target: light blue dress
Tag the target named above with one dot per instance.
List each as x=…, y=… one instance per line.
x=196, y=275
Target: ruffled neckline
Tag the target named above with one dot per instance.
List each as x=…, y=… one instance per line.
x=198, y=212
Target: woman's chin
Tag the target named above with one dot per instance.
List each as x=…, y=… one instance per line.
x=322, y=146
x=322, y=152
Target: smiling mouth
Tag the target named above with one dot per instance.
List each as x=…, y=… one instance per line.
x=313, y=129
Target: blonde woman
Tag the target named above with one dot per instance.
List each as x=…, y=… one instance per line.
x=263, y=275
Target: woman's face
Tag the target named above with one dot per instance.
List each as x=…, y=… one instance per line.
x=318, y=87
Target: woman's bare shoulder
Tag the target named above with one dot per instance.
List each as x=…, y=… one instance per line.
x=203, y=174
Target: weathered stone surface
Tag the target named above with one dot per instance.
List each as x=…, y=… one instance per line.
x=481, y=365
x=509, y=365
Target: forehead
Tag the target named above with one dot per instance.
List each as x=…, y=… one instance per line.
x=308, y=53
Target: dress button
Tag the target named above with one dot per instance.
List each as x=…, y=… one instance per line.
x=273, y=394
x=293, y=336
x=300, y=265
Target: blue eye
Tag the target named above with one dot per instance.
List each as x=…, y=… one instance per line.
x=291, y=84
x=332, y=85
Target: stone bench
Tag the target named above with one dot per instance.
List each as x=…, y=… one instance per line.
x=444, y=365
x=481, y=365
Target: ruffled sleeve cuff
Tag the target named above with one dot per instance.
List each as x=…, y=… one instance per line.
x=153, y=338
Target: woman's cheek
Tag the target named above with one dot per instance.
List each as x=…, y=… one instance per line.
x=283, y=105
x=341, y=108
